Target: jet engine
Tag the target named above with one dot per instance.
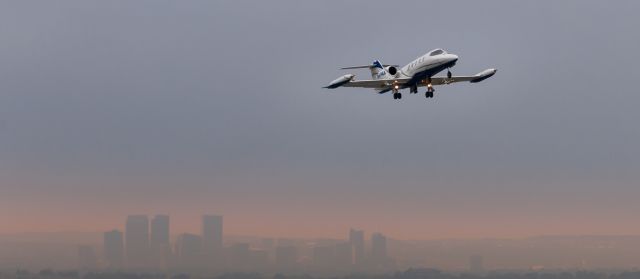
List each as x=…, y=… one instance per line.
x=392, y=71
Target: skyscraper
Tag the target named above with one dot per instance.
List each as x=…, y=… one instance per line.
x=212, y=235
x=159, y=242
x=137, y=242
x=189, y=250
x=378, y=249
x=113, y=249
x=356, y=238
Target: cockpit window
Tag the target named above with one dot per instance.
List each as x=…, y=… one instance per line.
x=436, y=52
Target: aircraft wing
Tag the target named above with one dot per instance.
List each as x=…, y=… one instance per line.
x=376, y=83
x=386, y=85
x=475, y=78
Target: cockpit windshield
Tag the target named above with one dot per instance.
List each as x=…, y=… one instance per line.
x=436, y=52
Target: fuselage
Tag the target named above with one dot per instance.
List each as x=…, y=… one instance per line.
x=428, y=65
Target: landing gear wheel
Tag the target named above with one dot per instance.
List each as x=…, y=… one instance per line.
x=429, y=94
x=449, y=74
x=399, y=95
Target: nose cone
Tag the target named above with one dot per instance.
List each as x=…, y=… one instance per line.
x=453, y=57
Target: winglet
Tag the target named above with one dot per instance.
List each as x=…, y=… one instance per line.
x=484, y=75
x=340, y=81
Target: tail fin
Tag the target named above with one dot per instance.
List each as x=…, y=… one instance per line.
x=377, y=70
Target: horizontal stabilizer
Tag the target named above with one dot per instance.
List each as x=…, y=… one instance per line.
x=366, y=67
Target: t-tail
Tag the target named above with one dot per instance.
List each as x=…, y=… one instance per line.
x=377, y=70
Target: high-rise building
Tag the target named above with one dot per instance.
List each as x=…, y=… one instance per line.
x=476, y=264
x=212, y=235
x=137, y=242
x=189, y=250
x=159, y=241
x=356, y=238
x=378, y=249
x=159, y=231
x=113, y=249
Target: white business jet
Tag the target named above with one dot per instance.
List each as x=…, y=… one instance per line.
x=419, y=72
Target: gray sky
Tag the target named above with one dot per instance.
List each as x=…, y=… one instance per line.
x=186, y=107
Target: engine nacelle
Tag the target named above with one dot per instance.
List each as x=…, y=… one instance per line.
x=392, y=71
x=341, y=81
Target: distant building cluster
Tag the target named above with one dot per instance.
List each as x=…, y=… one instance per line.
x=146, y=245
x=425, y=273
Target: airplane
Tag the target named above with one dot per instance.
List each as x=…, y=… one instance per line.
x=420, y=72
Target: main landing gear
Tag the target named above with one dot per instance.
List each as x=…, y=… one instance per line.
x=430, y=91
x=396, y=94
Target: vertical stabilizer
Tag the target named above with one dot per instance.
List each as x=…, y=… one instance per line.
x=377, y=70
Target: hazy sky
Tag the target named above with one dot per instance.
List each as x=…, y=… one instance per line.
x=187, y=107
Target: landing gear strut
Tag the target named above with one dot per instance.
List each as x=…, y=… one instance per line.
x=430, y=91
x=396, y=94
x=449, y=74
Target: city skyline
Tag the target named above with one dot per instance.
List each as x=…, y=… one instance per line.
x=189, y=139
x=316, y=255
x=148, y=246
